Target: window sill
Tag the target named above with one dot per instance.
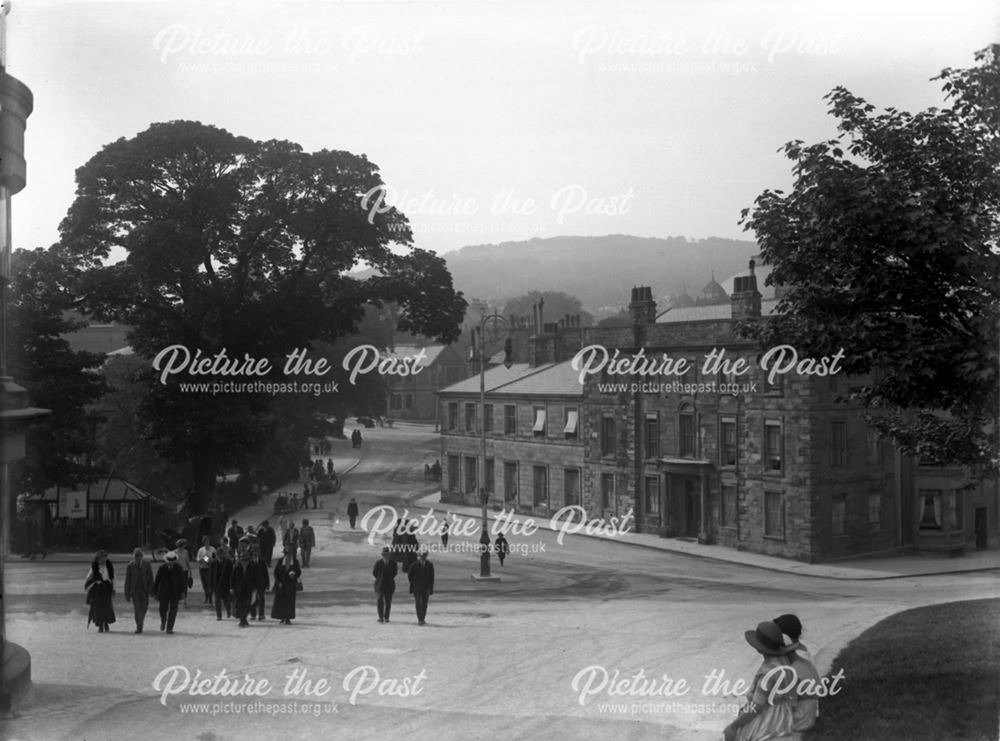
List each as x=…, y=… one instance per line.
x=777, y=538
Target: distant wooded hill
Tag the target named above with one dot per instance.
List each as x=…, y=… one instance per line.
x=600, y=271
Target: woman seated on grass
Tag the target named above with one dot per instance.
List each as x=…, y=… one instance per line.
x=768, y=714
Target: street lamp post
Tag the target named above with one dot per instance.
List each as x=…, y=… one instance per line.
x=493, y=320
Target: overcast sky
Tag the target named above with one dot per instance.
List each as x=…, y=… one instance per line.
x=490, y=121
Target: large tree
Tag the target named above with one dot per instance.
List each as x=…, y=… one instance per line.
x=887, y=247
x=56, y=377
x=197, y=237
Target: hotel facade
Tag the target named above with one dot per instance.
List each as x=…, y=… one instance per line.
x=783, y=464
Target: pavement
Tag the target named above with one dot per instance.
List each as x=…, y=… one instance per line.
x=895, y=566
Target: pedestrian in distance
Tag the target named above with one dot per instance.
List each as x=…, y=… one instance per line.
x=421, y=575
x=184, y=561
x=205, y=557
x=261, y=582
x=444, y=533
x=292, y=537
x=385, y=584
x=242, y=586
x=169, y=586
x=267, y=539
x=313, y=491
x=502, y=548
x=768, y=714
x=100, y=586
x=138, y=586
x=234, y=534
x=352, y=512
x=307, y=541
x=221, y=580
x=806, y=709
x=287, y=583
x=282, y=527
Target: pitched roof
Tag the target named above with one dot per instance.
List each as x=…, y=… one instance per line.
x=557, y=379
x=496, y=376
x=552, y=380
x=711, y=312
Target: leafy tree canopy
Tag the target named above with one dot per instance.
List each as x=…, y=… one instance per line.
x=56, y=377
x=887, y=247
x=194, y=236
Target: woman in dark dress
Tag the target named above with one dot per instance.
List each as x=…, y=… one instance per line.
x=286, y=584
x=100, y=588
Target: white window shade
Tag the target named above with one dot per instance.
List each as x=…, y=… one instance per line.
x=572, y=419
x=539, y=425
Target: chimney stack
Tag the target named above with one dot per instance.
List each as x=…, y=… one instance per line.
x=745, y=301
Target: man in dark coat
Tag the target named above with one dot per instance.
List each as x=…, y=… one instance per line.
x=267, y=539
x=261, y=581
x=291, y=539
x=352, y=512
x=169, y=586
x=221, y=579
x=421, y=576
x=242, y=588
x=307, y=541
x=235, y=533
x=138, y=586
x=385, y=584
x=502, y=547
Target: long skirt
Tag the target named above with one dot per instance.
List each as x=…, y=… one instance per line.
x=283, y=607
x=102, y=611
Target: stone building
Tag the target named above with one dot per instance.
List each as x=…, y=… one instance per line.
x=413, y=396
x=778, y=464
x=534, y=452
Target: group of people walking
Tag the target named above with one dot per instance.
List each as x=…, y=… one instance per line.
x=770, y=713
x=421, y=577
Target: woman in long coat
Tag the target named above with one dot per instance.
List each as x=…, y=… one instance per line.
x=286, y=584
x=100, y=588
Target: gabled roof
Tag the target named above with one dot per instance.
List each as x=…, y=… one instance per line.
x=714, y=312
x=552, y=380
x=496, y=376
x=521, y=379
x=103, y=490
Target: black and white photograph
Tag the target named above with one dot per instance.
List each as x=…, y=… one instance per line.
x=471, y=370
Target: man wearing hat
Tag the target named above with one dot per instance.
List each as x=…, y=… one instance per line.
x=261, y=579
x=307, y=541
x=765, y=716
x=421, y=576
x=221, y=580
x=385, y=584
x=169, y=586
x=242, y=588
x=184, y=561
x=138, y=586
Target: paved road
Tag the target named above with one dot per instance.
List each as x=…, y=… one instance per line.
x=524, y=658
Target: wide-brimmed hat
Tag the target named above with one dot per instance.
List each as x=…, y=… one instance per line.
x=181, y=541
x=171, y=556
x=385, y=551
x=767, y=639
